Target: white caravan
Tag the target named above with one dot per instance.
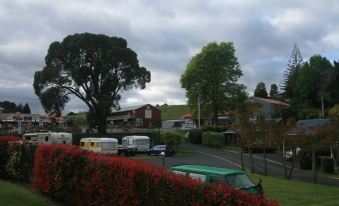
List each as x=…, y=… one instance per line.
x=49, y=137
x=141, y=143
x=102, y=145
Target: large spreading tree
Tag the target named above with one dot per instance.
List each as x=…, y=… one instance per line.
x=213, y=75
x=93, y=67
x=260, y=90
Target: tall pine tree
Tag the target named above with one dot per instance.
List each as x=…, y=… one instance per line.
x=290, y=75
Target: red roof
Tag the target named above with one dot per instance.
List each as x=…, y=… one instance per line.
x=187, y=116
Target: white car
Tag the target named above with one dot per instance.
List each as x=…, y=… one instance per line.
x=289, y=154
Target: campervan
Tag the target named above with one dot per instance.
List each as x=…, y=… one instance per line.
x=141, y=143
x=49, y=137
x=100, y=145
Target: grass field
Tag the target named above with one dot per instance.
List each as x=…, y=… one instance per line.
x=171, y=112
x=21, y=195
x=289, y=192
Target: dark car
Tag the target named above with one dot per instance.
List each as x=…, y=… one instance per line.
x=156, y=150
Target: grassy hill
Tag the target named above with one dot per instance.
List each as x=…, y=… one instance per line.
x=173, y=111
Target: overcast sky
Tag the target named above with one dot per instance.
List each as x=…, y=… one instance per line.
x=165, y=35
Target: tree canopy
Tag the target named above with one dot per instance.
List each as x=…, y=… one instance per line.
x=212, y=74
x=274, y=91
x=93, y=67
x=260, y=90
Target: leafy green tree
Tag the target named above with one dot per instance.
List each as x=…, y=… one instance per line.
x=290, y=76
x=94, y=68
x=212, y=74
x=260, y=90
x=274, y=91
x=312, y=84
x=26, y=109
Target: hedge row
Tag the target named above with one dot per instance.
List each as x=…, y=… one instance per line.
x=4, y=154
x=213, y=139
x=78, y=177
x=195, y=136
x=171, y=138
x=21, y=159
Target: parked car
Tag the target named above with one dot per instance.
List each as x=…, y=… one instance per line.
x=156, y=150
x=289, y=154
x=235, y=178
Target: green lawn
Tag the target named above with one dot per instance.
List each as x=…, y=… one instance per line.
x=172, y=112
x=17, y=194
x=290, y=192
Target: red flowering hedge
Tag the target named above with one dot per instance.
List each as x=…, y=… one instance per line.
x=78, y=177
x=21, y=159
x=4, y=154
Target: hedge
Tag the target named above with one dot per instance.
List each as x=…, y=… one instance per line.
x=327, y=164
x=78, y=177
x=213, y=139
x=4, y=154
x=194, y=136
x=171, y=138
x=21, y=159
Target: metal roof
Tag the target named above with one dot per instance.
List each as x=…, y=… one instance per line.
x=131, y=108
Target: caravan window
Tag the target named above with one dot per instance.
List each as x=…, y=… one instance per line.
x=107, y=144
x=141, y=141
x=46, y=139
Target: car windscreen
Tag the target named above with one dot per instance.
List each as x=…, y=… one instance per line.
x=239, y=181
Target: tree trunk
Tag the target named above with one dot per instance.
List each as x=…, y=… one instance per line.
x=265, y=162
x=294, y=156
x=215, y=117
x=314, y=163
x=101, y=123
x=283, y=161
x=242, y=159
x=252, y=161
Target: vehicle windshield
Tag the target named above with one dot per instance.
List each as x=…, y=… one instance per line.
x=239, y=181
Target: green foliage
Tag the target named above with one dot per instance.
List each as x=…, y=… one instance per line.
x=334, y=111
x=20, y=163
x=213, y=139
x=94, y=68
x=327, y=165
x=274, y=91
x=291, y=74
x=11, y=107
x=260, y=90
x=195, y=136
x=305, y=160
x=206, y=128
x=213, y=74
x=170, y=112
x=171, y=138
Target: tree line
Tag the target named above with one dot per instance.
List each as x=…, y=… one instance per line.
x=11, y=107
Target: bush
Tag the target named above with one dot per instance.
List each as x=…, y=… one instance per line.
x=327, y=164
x=213, y=139
x=171, y=138
x=21, y=159
x=195, y=136
x=4, y=154
x=207, y=128
x=77, y=177
x=305, y=160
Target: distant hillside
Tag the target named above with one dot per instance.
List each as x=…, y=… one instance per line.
x=173, y=111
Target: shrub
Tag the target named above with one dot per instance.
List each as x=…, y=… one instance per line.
x=4, y=154
x=213, y=139
x=194, y=136
x=327, y=164
x=207, y=128
x=305, y=160
x=171, y=138
x=21, y=159
x=78, y=177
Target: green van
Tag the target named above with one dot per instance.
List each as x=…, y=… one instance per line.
x=235, y=178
